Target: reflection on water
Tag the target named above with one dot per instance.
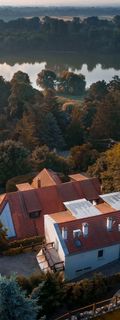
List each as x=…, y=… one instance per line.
x=32, y=70
x=96, y=74
x=93, y=67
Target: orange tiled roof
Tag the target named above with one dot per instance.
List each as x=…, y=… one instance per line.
x=47, y=178
x=98, y=235
x=63, y=216
x=105, y=208
x=73, y=190
x=47, y=200
x=24, y=186
x=77, y=177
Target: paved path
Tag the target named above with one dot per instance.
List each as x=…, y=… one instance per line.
x=22, y=264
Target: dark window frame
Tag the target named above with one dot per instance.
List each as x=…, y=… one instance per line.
x=34, y=214
x=100, y=253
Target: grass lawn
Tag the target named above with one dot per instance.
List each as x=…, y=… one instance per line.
x=71, y=99
x=115, y=315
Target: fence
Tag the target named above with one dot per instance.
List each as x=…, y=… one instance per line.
x=93, y=310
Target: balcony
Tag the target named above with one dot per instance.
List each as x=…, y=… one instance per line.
x=48, y=259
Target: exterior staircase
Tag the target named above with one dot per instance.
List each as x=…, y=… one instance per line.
x=48, y=258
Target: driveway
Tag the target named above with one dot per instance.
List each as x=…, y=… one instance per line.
x=22, y=264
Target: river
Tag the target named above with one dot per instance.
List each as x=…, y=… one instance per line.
x=94, y=67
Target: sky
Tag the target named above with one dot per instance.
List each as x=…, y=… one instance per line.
x=59, y=2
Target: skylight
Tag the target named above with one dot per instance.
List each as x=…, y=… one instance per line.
x=113, y=199
x=82, y=208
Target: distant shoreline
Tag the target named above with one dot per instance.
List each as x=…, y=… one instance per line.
x=13, y=12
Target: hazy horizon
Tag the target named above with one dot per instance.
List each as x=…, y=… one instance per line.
x=59, y=3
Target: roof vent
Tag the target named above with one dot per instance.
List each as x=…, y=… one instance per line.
x=94, y=203
x=109, y=223
x=77, y=233
x=85, y=229
x=64, y=233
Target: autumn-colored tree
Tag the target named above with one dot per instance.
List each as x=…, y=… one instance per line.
x=105, y=123
x=83, y=156
x=107, y=169
x=25, y=132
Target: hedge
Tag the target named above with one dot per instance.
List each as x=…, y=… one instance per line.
x=26, y=242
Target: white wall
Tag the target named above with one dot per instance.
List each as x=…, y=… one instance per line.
x=7, y=222
x=80, y=262
x=51, y=235
x=89, y=259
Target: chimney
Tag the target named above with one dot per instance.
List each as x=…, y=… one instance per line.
x=64, y=233
x=85, y=229
x=109, y=223
x=39, y=183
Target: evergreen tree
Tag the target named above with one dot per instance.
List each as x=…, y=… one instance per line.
x=49, y=293
x=51, y=134
x=14, y=304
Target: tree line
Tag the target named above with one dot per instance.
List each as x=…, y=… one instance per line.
x=49, y=33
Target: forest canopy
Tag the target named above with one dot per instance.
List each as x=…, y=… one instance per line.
x=41, y=129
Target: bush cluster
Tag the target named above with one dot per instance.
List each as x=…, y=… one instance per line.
x=53, y=293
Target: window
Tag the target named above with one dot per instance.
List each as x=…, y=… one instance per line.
x=100, y=253
x=35, y=214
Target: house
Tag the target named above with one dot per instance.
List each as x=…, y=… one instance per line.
x=22, y=212
x=82, y=238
